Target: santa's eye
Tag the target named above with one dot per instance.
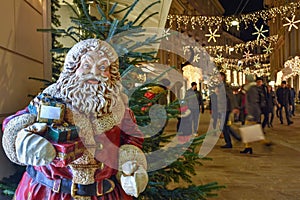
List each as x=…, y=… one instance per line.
x=102, y=67
x=86, y=66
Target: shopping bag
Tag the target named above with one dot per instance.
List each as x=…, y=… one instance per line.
x=251, y=133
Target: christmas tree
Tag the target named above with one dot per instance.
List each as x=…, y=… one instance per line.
x=177, y=167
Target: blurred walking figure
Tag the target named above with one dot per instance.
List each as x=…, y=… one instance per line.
x=242, y=105
x=253, y=110
x=271, y=102
x=213, y=107
x=194, y=101
x=225, y=107
x=293, y=96
x=262, y=92
x=284, y=99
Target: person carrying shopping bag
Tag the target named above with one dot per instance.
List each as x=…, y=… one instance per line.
x=253, y=114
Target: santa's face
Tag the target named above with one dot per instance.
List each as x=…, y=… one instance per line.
x=95, y=63
x=90, y=88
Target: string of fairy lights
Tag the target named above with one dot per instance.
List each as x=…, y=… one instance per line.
x=286, y=12
x=294, y=65
x=267, y=43
x=249, y=62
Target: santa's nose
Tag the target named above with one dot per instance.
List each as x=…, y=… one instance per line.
x=95, y=70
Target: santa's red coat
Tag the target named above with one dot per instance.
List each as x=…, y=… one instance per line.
x=126, y=133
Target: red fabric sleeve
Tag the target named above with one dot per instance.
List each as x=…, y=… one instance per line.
x=130, y=134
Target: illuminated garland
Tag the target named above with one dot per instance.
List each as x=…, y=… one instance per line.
x=229, y=66
x=256, y=61
x=244, y=48
x=247, y=19
x=240, y=48
x=291, y=23
x=259, y=57
x=232, y=63
x=294, y=64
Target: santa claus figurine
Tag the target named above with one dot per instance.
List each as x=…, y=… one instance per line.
x=101, y=159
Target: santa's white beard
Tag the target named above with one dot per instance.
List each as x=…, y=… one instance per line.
x=91, y=99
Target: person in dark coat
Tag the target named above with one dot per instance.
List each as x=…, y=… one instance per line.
x=194, y=101
x=284, y=99
x=293, y=96
x=226, y=104
x=271, y=102
x=253, y=110
x=263, y=95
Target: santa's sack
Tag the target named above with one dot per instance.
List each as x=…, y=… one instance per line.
x=251, y=133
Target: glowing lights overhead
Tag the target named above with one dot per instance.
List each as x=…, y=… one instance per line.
x=240, y=47
x=183, y=21
x=241, y=57
x=294, y=65
x=212, y=35
x=268, y=49
x=234, y=22
x=291, y=23
x=247, y=55
x=260, y=32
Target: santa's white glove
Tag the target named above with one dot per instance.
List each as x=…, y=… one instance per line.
x=37, y=128
x=33, y=149
x=134, y=178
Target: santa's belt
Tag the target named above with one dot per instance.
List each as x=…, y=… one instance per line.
x=67, y=186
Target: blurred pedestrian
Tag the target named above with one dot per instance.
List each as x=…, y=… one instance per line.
x=262, y=92
x=284, y=101
x=213, y=107
x=194, y=101
x=271, y=102
x=226, y=100
x=253, y=109
x=242, y=106
x=293, y=96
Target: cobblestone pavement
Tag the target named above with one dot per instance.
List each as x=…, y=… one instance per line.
x=270, y=173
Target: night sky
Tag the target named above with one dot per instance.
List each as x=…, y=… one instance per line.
x=231, y=6
x=236, y=7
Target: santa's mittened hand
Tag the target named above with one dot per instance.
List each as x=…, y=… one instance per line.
x=135, y=184
x=129, y=167
x=37, y=127
x=33, y=149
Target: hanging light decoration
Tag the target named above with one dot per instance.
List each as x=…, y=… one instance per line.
x=212, y=35
x=260, y=32
x=268, y=49
x=229, y=21
x=294, y=64
x=240, y=47
x=291, y=23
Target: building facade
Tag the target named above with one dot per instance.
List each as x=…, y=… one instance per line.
x=22, y=55
x=287, y=47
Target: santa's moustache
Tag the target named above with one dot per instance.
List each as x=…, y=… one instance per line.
x=90, y=98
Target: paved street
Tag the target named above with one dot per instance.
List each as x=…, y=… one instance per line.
x=270, y=173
